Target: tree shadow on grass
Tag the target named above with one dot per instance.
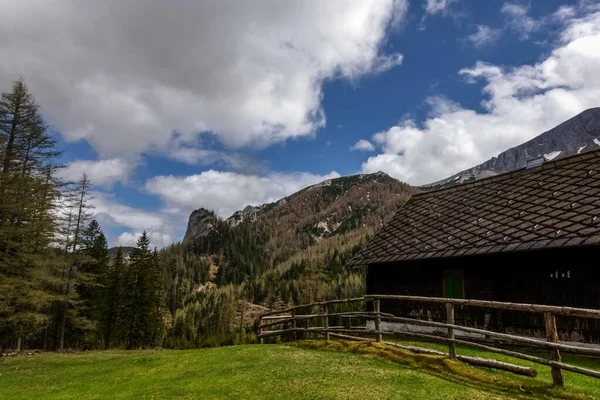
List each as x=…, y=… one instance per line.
x=448, y=370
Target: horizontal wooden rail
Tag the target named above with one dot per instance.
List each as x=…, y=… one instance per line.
x=319, y=303
x=535, y=308
x=314, y=330
x=518, y=339
x=302, y=317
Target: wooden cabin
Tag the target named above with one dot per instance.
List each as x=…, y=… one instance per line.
x=528, y=236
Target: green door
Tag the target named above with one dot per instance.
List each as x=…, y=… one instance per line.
x=453, y=284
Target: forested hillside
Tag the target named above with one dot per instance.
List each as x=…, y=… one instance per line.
x=289, y=252
x=61, y=287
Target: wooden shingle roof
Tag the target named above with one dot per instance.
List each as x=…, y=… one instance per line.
x=556, y=204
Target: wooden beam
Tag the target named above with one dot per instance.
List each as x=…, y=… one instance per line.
x=349, y=337
x=553, y=354
x=417, y=349
x=314, y=330
x=362, y=314
x=294, y=325
x=377, y=311
x=536, y=308
x=319, y=303
x=489, y=363
x=517, y=339
x=326, y=322
x=538, y=360
x=450, y=321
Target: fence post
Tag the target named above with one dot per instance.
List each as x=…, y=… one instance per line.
x=326, y=322
x=450, y=320
x=376, y=308
x=260, y=329
x=553, y=354
x=294, y=325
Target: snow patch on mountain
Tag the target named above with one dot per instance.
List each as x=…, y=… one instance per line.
x=552, y=155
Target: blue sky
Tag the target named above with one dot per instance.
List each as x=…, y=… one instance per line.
x=212, y=105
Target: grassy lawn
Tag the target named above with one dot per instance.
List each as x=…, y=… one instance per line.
x=308, y=370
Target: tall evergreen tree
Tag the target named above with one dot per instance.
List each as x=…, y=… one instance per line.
x=142, y=296
x=28, y=195
x=94, y=269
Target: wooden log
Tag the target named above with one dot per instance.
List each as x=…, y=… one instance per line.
x=315, y=330
x=376, y=309
x=326, y=322
x=450, y=321
x=417, y=349
x=553, y=354
x=358, y=314
x=260, y=330
x=538, y=360
x=536, y=343
x=349, y=337
x=535, y=308
x=478, y=361
x=489, y=363
x=319, y=303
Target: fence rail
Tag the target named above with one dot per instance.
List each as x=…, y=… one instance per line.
x=290, y=318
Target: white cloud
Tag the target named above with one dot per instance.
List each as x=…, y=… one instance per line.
x=517, y=19
x=484, y=36
x=363, y=145
x=125, y=75
x=437, y=6
x=157, y=239
x=227, y=192
x=101, y=172
x=111, y=213
x=520, y=103
x=161, y=226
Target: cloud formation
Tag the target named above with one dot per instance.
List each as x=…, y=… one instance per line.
x=125, y=75
x=520, y=103
x=362, y=145
x=484, y=36
x=437, y=6
x=227, y=192
x=101, y=173
x=518, y=19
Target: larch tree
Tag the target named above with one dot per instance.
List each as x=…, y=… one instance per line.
x=77, y=211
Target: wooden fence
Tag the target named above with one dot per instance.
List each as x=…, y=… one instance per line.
x=290, y=323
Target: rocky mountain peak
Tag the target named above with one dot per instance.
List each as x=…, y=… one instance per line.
x=248, y=213
x=200, y=223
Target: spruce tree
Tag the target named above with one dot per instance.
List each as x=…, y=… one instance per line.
x=28, y=196
x=94, y=270
x=140, y=295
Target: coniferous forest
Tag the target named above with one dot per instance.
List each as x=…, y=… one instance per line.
x=60, y=289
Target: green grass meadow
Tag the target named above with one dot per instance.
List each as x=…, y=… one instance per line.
x=306, y=370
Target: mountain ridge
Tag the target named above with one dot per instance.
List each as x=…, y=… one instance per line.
x=578, y=134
